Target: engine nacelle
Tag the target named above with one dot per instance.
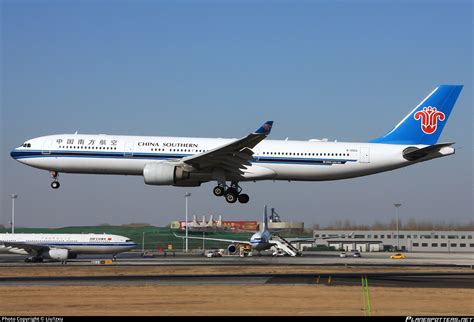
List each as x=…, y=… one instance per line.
x=58, y=254
x=164, y=173
x=231, y=249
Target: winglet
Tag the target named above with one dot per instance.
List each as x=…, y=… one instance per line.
x=265, y=128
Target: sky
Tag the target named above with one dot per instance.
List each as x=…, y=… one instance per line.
x=342, y=70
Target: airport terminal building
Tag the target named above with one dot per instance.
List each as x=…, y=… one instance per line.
x=406, y=240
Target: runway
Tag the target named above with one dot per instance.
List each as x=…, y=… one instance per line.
x=308, y=258
x=314, y=284
x=409, y=279
x=325, y=268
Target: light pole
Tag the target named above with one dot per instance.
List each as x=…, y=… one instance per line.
x=187, y=194
x=13, y=196
x=397, y=206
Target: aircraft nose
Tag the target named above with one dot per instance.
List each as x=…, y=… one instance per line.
x=14, y=153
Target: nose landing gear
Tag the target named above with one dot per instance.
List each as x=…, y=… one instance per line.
x=232, y=193
x=55, y=184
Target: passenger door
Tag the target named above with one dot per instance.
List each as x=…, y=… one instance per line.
x=364, y=155
x=47, y=147
x=128, y=149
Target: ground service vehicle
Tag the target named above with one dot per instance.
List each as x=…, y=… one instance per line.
x=398, y=256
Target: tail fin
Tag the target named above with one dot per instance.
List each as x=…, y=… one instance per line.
x=265, y=218
x=425, y=123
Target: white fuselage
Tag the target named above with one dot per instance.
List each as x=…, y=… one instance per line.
x=312, y=160
x=74, y=243
x=261, y=240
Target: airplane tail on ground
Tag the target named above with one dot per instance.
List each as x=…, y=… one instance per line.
x=425, y=123
x=265, y=219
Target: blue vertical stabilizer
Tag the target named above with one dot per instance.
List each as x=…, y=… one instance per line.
x=425, y=123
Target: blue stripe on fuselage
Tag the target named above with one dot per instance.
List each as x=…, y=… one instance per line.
x=157, y=156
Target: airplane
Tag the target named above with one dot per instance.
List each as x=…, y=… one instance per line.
x=189, y=162
x=261, y=240
x=61, y=247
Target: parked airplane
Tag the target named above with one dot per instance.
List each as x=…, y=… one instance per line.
x=261, y=240
x=63, y=246
x=188, y=162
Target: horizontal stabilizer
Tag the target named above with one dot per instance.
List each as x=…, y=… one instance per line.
x=413, y=153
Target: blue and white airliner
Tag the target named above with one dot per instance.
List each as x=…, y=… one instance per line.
x=61, y=247
x=259, y=241
x=189, y=162
x=264, y=240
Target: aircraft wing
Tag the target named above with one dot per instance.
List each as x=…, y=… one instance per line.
x=234, y=241
x=232, y=157
x=297, y=240
x=313, y=239
x=29, y=248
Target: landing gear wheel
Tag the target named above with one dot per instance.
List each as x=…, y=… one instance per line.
x=114, y=258
x=55, y=184
x=243, y=198
x=231, y=195
x=218, y=191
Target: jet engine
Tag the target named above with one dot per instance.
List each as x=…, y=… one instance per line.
x=57, y=254
x=166, y=174
x=231, y=249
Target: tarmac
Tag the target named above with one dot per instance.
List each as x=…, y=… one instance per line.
x=417, y=270
x=317, y=283
x=458, y=280
x=308, y=258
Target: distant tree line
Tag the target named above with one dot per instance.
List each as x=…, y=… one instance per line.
x=410, y=224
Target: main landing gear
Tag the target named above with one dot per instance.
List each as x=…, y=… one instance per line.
x=34, y=259
x=232, y=193
x=55, y=184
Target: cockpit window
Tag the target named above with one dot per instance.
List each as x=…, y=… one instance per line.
x=26, y=145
